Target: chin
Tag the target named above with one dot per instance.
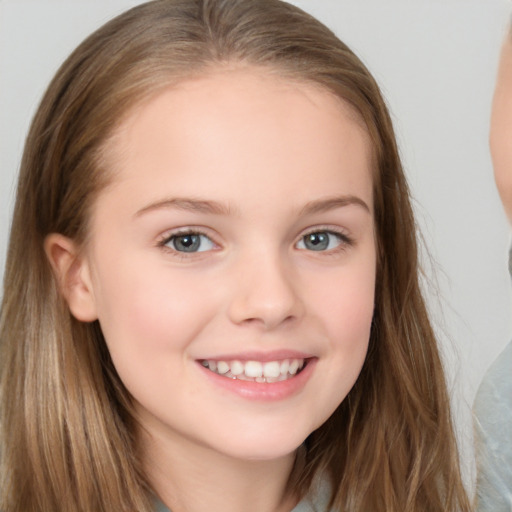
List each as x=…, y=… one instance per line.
x=266, y=447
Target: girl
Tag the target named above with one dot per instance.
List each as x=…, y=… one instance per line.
x=493, y=401
x=211, y=298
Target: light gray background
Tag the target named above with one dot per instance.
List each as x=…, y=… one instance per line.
x=436, y=62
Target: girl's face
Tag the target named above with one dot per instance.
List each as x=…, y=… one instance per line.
x=501, y=127
x=231, y=263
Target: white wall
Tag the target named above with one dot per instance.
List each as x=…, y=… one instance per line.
x=435, y=60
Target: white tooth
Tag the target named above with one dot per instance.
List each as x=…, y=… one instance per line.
x=282, y=377
x=271, y=369
x=260, y=379
x=271, y=379
x=284, y=367
x=212, y=365
x=222, y=367
x=294, y=366
x=301, y=364
x=237, y=367
x=253, y=369
x=242, y=376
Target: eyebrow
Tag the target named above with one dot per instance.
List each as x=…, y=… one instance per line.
x=214, y=207
x=323, y=205
x=187, y=204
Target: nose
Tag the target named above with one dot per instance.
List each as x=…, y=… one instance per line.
x=265, y=293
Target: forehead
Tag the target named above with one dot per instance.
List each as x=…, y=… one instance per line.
x=245, y=86
x=240, y=123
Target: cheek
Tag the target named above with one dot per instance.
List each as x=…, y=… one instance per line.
x=145, y=313
x=343, y=312
x=348, y=302
x=350, y=335
x=346, y=315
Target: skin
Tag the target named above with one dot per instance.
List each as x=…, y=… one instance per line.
x=501, y=127
x=301, y=164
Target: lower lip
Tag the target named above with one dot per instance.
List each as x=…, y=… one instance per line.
x=263, y=391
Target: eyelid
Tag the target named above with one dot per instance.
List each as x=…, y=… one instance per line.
x=337, y=230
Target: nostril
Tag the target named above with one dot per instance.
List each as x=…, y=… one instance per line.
x=268, y=321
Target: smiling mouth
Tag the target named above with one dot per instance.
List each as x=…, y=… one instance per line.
x=256, y=371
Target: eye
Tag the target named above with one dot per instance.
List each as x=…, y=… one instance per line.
x=321, y=241
x=189, y=242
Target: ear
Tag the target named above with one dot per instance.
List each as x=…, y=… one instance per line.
x=72, y=272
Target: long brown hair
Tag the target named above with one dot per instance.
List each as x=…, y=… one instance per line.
x=68, y=430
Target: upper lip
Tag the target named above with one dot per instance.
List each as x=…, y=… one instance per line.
x=274, y=355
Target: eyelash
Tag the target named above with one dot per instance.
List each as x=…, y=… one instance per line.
x=345, y=241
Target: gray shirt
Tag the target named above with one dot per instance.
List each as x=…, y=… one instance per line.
x=493, y=433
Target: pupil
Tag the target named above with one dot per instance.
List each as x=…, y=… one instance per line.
x=317, y=241
x=187, y=243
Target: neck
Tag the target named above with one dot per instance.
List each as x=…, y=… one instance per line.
x=193, y=478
